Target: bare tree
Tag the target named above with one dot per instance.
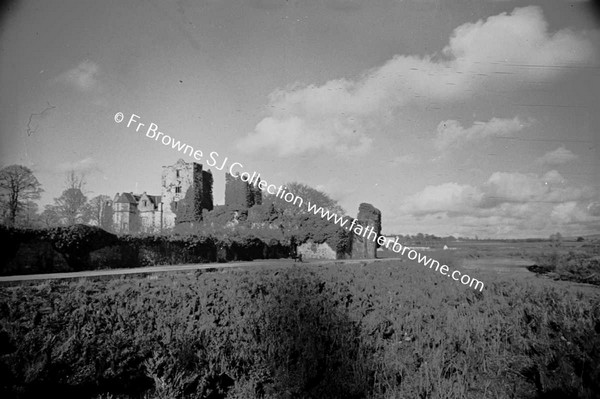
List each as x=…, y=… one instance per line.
x=72, y=207
x=95, y=207
x=74, y=180
x=18, y=186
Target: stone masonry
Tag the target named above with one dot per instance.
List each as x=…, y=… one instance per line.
x=189, y=181
x=240, y=194
x=186, y=190
x=364, y=247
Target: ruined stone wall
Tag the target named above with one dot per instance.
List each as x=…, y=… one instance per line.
x=176, y=180
x=186, y=191
x=256, y=195
x=168, y=219
x=207, y=191
x=188, y=208
x=368, y=219
x=237, y=192
x=240, y=194
x=106, y=216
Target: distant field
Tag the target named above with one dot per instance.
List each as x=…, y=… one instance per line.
x=574, y=261
x=363, y=330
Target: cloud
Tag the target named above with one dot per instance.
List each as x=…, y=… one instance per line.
x=336, y=189
x=593, y=208
x=85, y=165
x=506, y=205
x=568, y=212
x=83, y=77
x=550, y=187
x=557, y=157
x=447, y=197
x=295, y=135
x=451, y=133
x=502, y=51
x=515, y=187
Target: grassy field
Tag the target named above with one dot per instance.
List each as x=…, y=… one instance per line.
x=570, y=261
x=389, y=329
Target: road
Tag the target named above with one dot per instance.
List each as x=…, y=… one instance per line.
x=169, y=268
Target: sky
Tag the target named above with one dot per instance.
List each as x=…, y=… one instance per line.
x=466, y=118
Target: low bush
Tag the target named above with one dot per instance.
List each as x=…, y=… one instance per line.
x=578, y=266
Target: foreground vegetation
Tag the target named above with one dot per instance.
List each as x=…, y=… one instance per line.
x=574, y=265
x=381, y=330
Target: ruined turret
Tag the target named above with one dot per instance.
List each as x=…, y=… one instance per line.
x=365, y=232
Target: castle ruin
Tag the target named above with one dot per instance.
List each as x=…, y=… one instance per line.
x=369, y=218
x=240, y=194
x=186, y=190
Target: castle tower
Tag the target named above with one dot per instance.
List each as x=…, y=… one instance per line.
x=369, y=221
x=186, y=191
x=106, y=215
x=240, y=194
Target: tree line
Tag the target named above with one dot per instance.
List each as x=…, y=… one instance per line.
x=275, y=219
x=20, y=189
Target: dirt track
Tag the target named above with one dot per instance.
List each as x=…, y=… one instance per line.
x=169, y=268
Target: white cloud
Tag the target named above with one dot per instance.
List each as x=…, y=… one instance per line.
x=506, y=205
x=82, y=77
x=447, y=197
x=568, y=212
x=451, y=133
x=295, y=135
x=550, y=187
x=502, y=51
x=557, y=157
x=593, y=208
x=515, y=187
x=85, y=165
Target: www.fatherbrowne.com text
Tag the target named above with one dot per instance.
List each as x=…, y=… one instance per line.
x=237, y=169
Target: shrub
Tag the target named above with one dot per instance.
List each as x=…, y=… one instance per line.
x=580, y=266
x=341, y=331
x=77, y=242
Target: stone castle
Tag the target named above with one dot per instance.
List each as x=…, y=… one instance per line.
x=186, y=190
x=239, y=194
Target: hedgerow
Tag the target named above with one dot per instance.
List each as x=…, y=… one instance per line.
x=385, y=330
x=87, y=248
